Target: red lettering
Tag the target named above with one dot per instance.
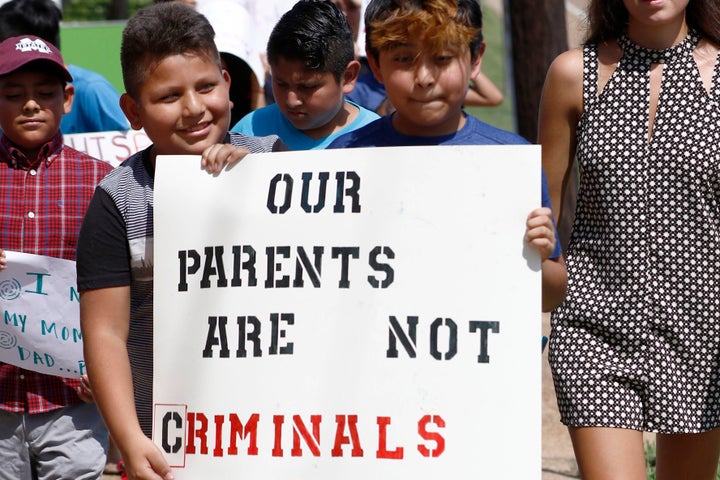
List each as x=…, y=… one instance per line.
x=218, y=450
x=194, y=433
x=120, y=141
x=431, y=436
x=299, y=429
x=237, y=431
x=342, y=439
x=382, y=451
x=278, y=420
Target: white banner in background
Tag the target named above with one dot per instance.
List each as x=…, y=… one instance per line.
x=40, y=328
x=349, y=314
x=113, y=146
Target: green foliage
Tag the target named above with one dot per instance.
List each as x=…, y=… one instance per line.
x=493, y=65
x=94, y=10
x=650, y=459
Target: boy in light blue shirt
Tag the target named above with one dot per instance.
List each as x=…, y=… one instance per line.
x=313, y=66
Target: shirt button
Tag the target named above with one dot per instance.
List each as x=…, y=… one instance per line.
x=33, y=172
x=22, y=377
x=31, y=214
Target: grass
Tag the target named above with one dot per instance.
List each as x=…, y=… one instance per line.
x=493, y=65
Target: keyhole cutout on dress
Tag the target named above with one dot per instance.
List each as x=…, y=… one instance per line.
x=656, y=71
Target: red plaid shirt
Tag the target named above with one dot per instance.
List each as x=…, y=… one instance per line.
x=41, y=209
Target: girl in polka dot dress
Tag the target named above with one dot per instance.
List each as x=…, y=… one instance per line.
x=636, y=345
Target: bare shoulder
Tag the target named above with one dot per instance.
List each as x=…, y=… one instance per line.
x=564, y=82
x=567, y=67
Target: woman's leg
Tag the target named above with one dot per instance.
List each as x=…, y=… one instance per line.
x=691, y=456
x=609, y=453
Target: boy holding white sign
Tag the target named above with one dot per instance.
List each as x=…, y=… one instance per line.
x=426, y=52
x=47, y=430
x=178, y=92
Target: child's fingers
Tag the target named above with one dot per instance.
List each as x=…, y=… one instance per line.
x=540, y=231
x=235, y=155
x=218, y=156
x=3, y=260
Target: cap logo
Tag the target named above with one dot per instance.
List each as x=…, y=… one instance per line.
x=27, y=45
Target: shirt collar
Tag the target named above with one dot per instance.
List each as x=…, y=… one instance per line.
x=13, y=156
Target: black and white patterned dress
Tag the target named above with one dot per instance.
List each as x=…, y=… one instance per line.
x=636, y=344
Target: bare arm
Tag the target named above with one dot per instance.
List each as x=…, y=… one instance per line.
x=560, y=109
x=105, y=322
x=483, y=92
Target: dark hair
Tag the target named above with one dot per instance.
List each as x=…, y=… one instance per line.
x=462, y=19
x=161, y=30
x=316, y=33
x=607, y=19
x=31, y=17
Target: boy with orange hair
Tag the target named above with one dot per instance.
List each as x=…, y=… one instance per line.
x=425, y=52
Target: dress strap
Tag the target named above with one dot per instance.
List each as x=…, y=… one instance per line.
x=715, y=84
x=590, y=74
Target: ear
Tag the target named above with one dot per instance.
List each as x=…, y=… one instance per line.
x=226, y=77
x=375, y=67
x=131, y=110
x=69, y=96
x=477, y=61
x=349, y=76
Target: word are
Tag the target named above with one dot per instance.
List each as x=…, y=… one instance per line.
x=285, y=266
x=249, y=330
x=346, y=439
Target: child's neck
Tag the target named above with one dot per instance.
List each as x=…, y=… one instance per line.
x=345, y=116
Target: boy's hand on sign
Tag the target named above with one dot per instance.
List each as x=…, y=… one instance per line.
x=540, y=231
x=3, y=260
x=221, y=155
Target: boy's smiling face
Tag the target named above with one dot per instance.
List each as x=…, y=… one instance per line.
x=32, y=104
x=310, y=100
x=426, y=88
x=183, y=104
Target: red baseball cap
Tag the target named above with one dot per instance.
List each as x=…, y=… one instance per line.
x=16, y=52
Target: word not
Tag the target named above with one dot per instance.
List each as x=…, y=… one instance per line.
x=346, y=436
x=278, y=260
x=408, y=338
x=282, y=185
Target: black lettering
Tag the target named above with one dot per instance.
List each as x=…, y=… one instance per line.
x=381, y=267
x=483, y=326
x=306, y=177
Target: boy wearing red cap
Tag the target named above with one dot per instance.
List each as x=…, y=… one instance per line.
x=46, y=429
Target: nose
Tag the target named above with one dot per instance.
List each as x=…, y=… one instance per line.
x=425, y=72
x=31, y=105
x=292, y=99
x=193, y=105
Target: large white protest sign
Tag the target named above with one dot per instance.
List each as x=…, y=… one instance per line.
x=40, y=328
x=113, y=146
x=354, y=314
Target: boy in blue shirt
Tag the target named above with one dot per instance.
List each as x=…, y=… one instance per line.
x=425, y=52
x=312, y=62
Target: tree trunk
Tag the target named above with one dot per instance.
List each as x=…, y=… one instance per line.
x=118, y=10
x=538, y=34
